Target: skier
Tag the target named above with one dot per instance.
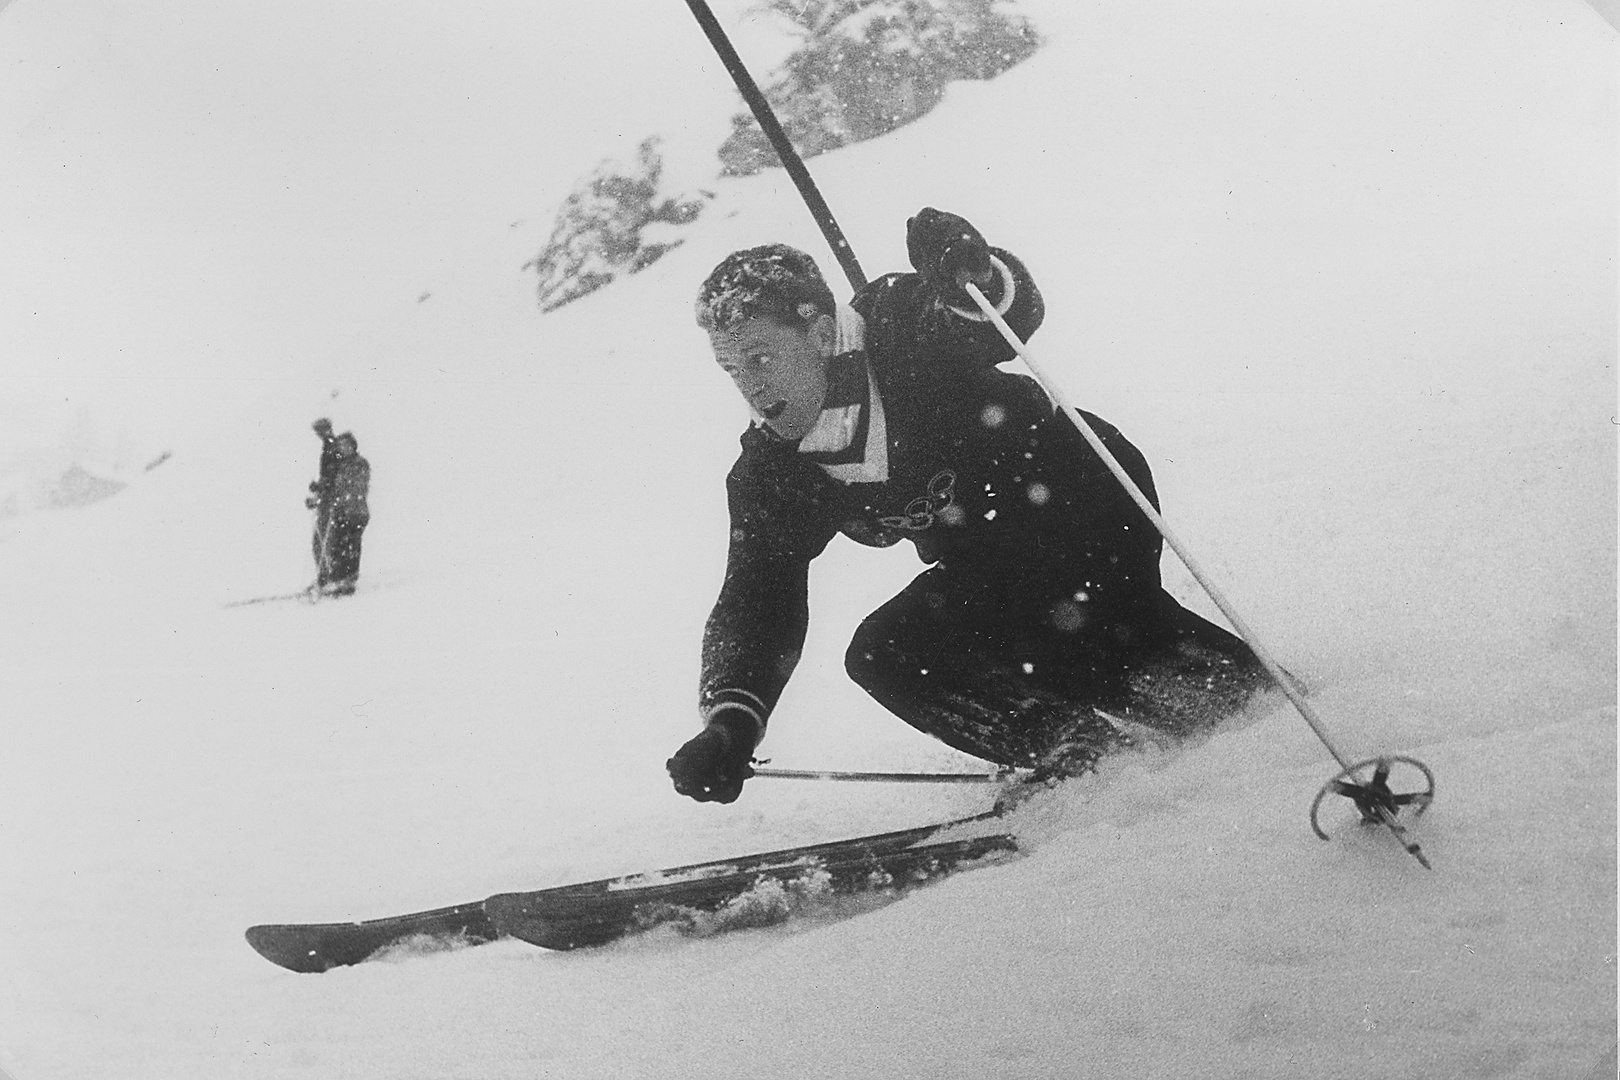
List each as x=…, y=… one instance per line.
x=338, y=498
x=1040, y=634
x=316, y=500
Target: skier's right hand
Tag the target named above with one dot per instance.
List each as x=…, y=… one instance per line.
x=713, y=764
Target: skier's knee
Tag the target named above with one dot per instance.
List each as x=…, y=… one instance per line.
x=861, y=662
x=872, y=659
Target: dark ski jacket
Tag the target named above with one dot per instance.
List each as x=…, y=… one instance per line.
x=983, y=478
x=351, y=483
x=340, y=493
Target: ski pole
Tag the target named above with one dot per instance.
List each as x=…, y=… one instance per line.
x=1263, y=654
x=779, y=142
x=881, y=777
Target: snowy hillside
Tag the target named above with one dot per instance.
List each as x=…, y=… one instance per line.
x=1346, y=274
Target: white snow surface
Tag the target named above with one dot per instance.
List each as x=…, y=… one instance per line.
x=1346, y=273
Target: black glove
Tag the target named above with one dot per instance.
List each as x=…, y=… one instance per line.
x=948, y=251
x=713, y=764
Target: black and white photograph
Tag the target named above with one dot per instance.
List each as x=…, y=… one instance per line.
x=808, y=538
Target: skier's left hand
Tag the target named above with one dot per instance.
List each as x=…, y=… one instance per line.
x=948, y=251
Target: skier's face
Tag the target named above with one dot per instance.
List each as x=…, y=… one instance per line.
x=781, y=371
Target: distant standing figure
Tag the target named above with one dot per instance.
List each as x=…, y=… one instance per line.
x=338, y=498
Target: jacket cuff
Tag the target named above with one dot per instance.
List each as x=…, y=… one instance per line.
x=1002, y=304
x=735, y=704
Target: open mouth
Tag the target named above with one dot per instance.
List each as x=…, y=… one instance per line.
x=772, y=411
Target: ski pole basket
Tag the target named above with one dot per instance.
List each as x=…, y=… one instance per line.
x=1378, y=802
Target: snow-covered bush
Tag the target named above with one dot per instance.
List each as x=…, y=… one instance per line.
x=865, y=67
x=610, y=225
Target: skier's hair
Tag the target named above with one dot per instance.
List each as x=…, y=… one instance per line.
x=773, y=281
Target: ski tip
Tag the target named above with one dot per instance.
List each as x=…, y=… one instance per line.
x=291, y=947
x=311, y=948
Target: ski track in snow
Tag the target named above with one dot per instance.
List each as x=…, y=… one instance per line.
x=1346, y=275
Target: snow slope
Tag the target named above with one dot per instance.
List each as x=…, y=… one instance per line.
x=1347, y=274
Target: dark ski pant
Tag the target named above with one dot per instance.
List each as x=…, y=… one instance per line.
x=337, y=554
x=1021, y=685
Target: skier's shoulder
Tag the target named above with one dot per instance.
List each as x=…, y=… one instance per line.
x=778, y=496
x=891, y=298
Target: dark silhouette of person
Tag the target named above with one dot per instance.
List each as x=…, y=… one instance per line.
x=338, y=497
